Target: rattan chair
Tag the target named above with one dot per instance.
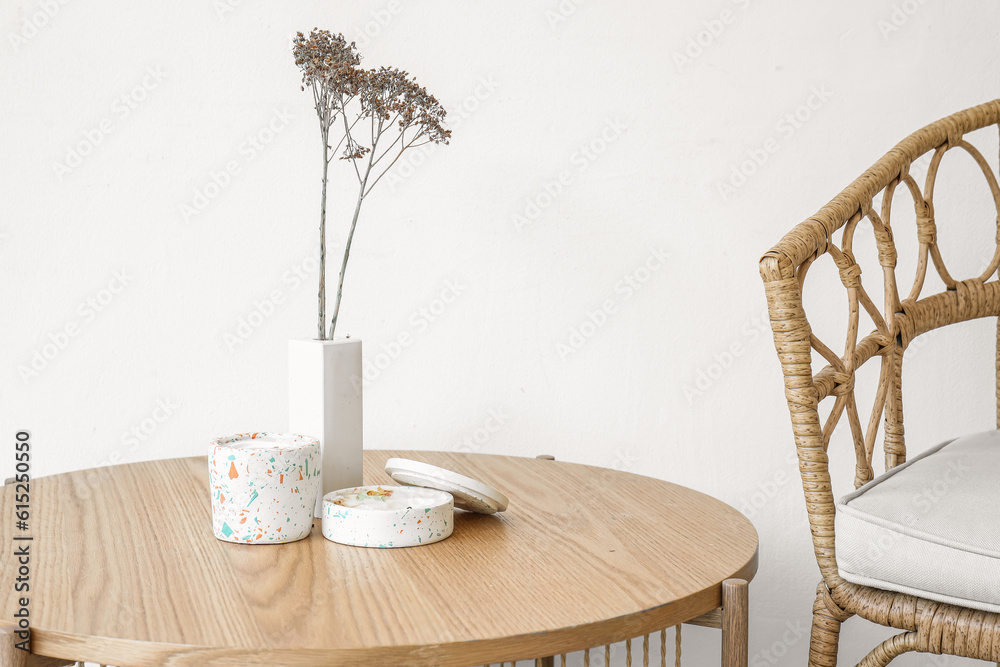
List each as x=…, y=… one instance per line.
x=928, y=625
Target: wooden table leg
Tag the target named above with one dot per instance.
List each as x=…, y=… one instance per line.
x=545, y=662
x=9, y=655
x=735, y=622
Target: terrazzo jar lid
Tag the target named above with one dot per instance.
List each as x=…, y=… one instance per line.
x=470, y=494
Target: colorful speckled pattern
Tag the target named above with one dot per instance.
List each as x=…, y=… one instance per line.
x=407, y=517
x=264, y=487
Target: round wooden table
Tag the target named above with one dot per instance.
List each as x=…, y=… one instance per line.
x=125, y=571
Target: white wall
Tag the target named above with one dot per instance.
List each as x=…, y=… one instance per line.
x=530, y=86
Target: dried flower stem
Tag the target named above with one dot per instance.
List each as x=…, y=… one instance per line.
x=322, y=243
x=388, y=98
x=354, y=225
x=379, y=127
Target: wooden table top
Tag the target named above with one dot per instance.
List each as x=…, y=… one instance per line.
x=126, y=571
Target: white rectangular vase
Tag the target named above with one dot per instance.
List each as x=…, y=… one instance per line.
x=324, y=401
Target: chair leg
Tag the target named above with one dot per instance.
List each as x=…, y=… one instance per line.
x=545, y=662
x=825, y=636
x=892, y=647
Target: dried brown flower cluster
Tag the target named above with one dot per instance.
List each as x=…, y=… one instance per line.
x=400, y=114
x=329, y=67
x=389, y=92
x=325, y=58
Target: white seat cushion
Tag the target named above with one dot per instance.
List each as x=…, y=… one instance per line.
x=930, y=527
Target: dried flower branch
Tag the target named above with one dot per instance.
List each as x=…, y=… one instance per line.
x=328, y=65
x=399, y=114
x=393, y=104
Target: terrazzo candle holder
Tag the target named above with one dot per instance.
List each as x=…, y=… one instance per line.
x=264, y=487
x=388, y=516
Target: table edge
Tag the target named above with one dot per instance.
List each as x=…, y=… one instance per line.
x=111, y=650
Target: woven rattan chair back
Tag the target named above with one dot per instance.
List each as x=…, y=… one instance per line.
x=829, y=236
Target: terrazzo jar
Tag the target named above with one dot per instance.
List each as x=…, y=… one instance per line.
x=388, y=516
x=264, y=487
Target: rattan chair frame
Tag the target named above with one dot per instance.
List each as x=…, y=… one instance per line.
x=927, y=626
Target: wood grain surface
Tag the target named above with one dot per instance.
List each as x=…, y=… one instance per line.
x=125, y=571
x=735, y=623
